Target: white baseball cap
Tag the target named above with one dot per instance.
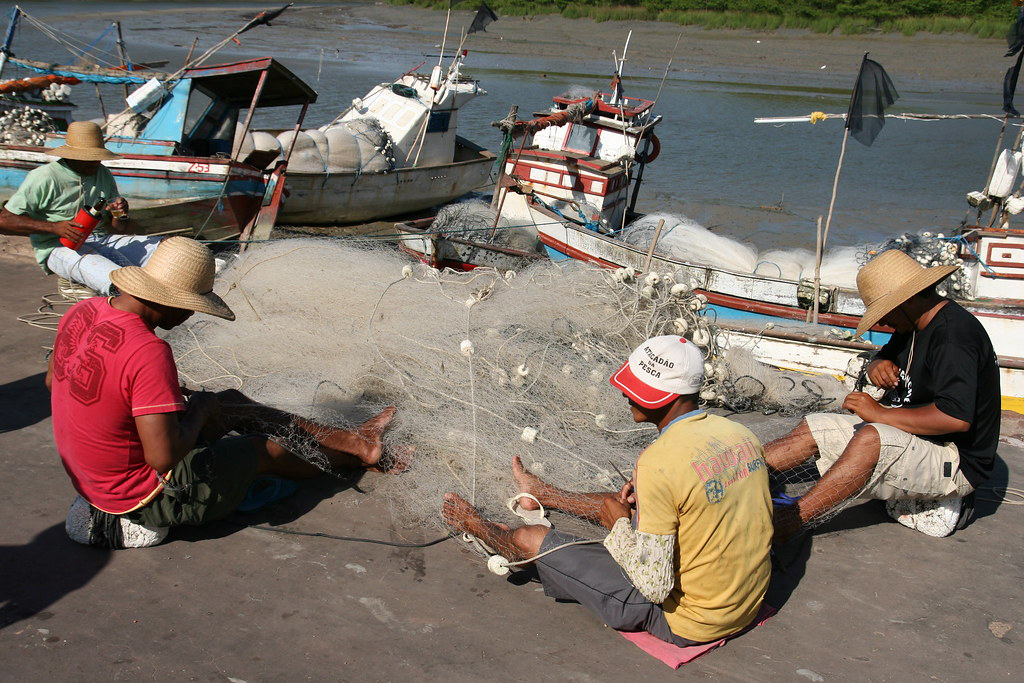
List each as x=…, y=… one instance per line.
x=660, y=370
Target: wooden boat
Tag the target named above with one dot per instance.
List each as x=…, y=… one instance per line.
x=341, y=173
x=418, y=239
x=180, y=142
x=178, y=168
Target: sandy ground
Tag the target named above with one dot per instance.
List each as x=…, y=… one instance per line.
x=787, y=56
x=748, y=56
x=863, y=599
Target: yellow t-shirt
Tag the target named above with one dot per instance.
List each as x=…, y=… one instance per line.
x=705, y=481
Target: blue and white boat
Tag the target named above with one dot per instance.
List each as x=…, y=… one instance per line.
x=183, y=169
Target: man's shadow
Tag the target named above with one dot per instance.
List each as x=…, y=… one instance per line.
x=38, y=574
x=310, y=493
x=26, y=402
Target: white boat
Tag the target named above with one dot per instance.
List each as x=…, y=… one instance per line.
x=394, y=151
x=571, y=183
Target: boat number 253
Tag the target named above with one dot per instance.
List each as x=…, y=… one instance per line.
x=198, y=167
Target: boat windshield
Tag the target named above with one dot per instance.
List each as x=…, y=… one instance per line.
x=581, y=139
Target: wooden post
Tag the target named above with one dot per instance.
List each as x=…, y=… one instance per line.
x=654, y=243
x=818, y=252
x=123, y=53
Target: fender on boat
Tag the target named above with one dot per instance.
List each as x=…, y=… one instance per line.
x=653, y=151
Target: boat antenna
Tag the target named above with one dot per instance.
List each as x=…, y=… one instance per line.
x=667, y=68
x=444, y=38
x=261, y=18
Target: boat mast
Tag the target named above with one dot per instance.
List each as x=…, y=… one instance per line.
x=643, y=164
x=123, y=53
x=435, y=85
x=5, y=51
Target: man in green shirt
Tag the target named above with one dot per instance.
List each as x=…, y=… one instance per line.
x=45, y=205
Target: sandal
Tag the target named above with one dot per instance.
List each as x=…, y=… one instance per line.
x=266, y=490
x=530, y=517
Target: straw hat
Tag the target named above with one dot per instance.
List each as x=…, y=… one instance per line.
x=83, y=142
x=890, y=279
x=179, y=274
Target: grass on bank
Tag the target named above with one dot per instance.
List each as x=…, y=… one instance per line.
x=983, y=26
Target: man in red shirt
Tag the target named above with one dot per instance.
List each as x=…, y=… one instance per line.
x=134, y=448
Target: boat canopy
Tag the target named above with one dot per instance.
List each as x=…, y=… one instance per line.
x=236, y=83
x=199, y=110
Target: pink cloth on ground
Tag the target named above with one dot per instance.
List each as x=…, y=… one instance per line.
x=676, y=656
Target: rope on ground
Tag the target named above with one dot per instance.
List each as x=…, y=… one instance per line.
x=1005, y=493
x=353, y=539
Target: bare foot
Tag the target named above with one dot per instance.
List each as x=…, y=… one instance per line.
x=528, y=483
x=394, y=460
x=371, y=430
x=363, y=442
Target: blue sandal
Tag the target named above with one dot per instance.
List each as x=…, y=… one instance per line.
x=266, y=490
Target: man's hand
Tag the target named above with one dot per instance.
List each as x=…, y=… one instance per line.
x=612, y=510
x=118, y=207
x=864, y=407
x=884, y=374
x=204, y=407
x=69, y=230
x=627, y=496
x=119, y=220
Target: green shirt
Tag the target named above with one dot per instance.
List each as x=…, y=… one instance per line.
x=54, y=192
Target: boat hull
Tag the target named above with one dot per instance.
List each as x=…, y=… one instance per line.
x=339, y=198
x=208, y=198
x=752, y=305
x=416, y=240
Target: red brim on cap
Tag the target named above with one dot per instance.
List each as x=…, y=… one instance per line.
x=639, y=392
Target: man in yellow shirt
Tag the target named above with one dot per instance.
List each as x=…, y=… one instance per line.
x=692, y=531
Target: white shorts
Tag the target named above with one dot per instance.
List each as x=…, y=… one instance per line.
x=908, y=466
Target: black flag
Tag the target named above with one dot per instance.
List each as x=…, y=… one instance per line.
x=872, y=93
x=264, y=18
x=1014, y=43
x=484, y=15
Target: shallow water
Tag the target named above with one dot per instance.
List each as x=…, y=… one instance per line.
x=717, y=166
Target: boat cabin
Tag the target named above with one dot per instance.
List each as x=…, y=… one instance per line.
x=580, y=159
x=420, y=113
x=197, y=114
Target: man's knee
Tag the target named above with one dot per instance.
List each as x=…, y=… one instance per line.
x=866, y=444
x=229, y=397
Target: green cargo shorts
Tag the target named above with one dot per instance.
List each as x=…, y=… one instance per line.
x=208, y=484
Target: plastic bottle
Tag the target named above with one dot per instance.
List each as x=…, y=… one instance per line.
x=88, y=217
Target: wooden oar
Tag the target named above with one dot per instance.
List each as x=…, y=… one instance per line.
x=654, y=243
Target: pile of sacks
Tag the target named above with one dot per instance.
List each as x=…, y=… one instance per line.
x=358, y=145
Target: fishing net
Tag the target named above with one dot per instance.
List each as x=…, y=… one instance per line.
x=482, y=366
x=685, y=239
x=25, y=126
x=929, y=250
x=361, y=145
x=475, y=220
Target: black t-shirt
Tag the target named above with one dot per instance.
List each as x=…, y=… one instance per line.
x=954, y=367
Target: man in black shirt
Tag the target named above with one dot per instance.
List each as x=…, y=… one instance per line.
x=934, y=436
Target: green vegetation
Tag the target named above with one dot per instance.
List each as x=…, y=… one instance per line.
x=983, y=18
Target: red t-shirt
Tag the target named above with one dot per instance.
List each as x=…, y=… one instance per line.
x=109, y=368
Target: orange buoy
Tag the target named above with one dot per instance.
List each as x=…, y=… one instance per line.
x=35, y=83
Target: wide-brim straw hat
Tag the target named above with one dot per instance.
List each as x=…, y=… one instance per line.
x=890, y=279
x=179, y=274
x=83, y=142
